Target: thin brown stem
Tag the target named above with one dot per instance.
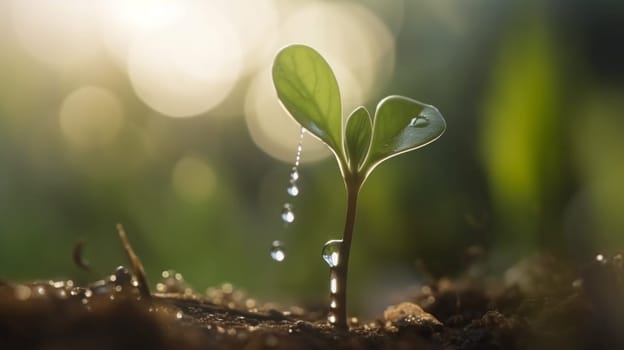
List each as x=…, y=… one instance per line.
x=342, y=268
x=137, y=266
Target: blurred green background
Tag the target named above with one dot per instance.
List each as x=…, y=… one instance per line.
x=161, y=115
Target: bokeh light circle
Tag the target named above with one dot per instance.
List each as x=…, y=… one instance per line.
x=352, y=39
x=193, y=179
x=188, y=68
x=59, y=33
x=90, y=117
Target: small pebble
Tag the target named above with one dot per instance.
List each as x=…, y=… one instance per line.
x=410, y=315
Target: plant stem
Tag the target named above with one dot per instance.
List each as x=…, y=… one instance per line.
x=342, y=267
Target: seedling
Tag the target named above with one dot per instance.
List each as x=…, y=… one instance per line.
x=308, y=89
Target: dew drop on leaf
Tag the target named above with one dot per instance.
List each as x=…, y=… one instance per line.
x=419, y=122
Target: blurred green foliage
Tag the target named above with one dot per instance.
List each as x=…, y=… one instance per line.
x=532, y=160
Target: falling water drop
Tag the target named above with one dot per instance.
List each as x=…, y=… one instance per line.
x=419, y=122
x=331, y=252
x=277, y=251
x=293, y=190
x=294, y=174
x=299, y=148
x=288, y=216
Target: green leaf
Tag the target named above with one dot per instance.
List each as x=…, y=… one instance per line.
x=401, y=125
x=358, y=137
x=308, y=89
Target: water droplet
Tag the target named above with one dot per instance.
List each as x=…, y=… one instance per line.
x=277, y=251
x=287, y=214
x=331, y=318
x=179, y=315
x=333, y=285
x=601, y=259
x=293, y=190
x=299, y=147
x=22, y=292
x=419, y=122
x=122, y=276
x=331, y=252
x=294, y=174
x=57, y=284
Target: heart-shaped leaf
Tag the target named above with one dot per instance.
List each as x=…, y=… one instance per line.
x=358, y=138
x=308, y=89
x=401, y=125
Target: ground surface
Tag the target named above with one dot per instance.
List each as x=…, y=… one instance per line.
x=547, y=306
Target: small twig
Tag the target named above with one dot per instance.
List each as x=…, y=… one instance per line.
x=78, y=256
x=202, y=307
x=137, y=266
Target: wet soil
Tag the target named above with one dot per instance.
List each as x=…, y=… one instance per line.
x=548, y=305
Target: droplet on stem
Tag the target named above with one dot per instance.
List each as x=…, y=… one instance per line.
x=331, y=252
x=333, y=284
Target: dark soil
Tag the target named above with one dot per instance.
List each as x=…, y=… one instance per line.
x=548, y=306
x=562, y=309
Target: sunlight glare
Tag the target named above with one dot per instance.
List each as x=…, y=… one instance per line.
x=121, y=22
x=193, y=179
x=189, y=66
x=348, y=35
x=59, y=33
